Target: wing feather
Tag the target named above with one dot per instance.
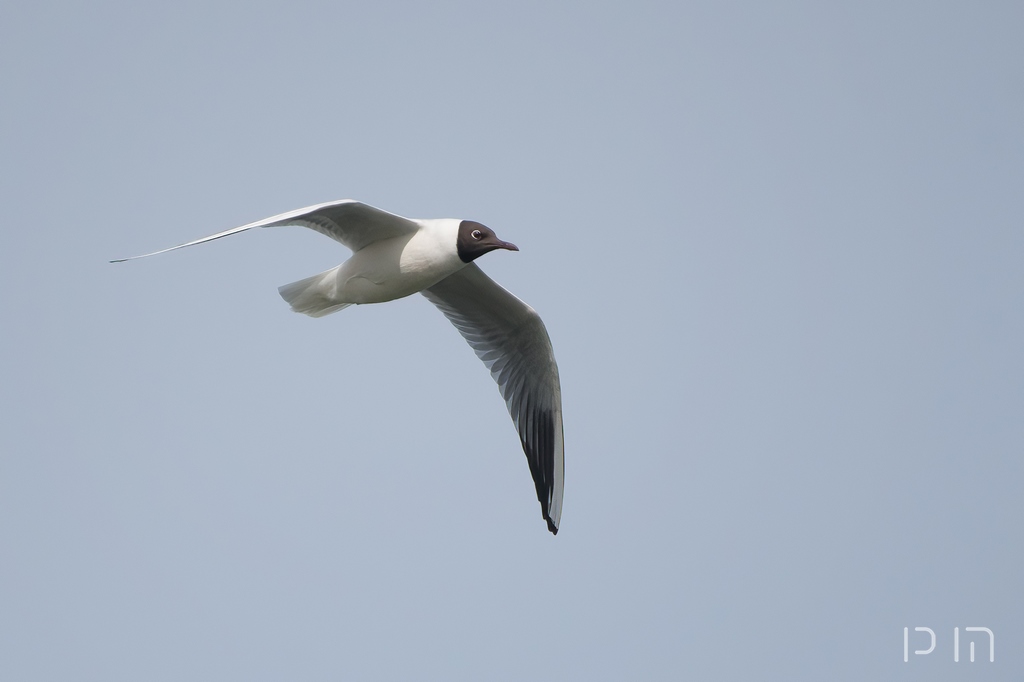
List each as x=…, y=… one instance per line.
x=511, y=340
x=352, y=223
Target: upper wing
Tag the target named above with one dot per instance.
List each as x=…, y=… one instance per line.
x=352, y=223
x=510, y=338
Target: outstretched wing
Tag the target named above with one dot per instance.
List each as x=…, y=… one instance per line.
x=352, y=223
x=510, y=338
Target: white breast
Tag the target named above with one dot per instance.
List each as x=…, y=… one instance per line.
x=393, y=268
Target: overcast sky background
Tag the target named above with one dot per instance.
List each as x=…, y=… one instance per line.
x=778, y=247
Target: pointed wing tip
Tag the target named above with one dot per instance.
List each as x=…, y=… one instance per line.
x=551, y=526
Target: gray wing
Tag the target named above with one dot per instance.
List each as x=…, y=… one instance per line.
x=352, y=223
x=510, y=338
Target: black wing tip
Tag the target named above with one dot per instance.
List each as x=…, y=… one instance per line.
x=551, y=527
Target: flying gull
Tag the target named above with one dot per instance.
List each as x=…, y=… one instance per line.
x=393, y=257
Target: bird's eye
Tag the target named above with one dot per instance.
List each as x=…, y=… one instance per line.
x=477, y=234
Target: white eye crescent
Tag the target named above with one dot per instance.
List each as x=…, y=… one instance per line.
x=477, y=234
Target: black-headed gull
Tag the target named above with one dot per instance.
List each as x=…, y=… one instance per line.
x=394, y=257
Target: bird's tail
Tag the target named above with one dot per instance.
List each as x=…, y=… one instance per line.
x=312, y=296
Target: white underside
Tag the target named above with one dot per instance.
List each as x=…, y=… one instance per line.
x=382, y=271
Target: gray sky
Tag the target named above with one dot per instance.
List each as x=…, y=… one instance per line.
x=778, y=248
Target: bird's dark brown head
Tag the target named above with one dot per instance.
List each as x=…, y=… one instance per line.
x=475, y=240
